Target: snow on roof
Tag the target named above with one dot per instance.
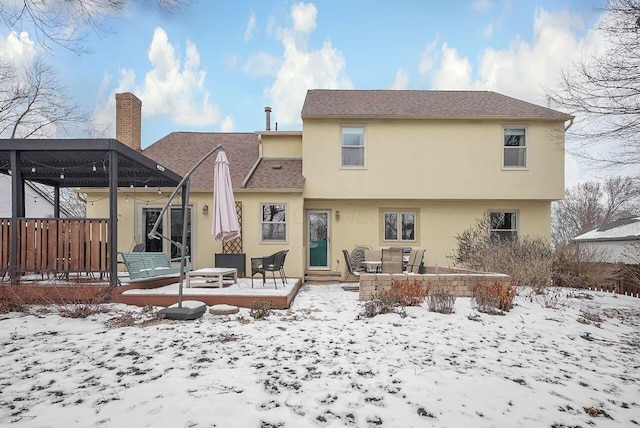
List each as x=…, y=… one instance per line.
x=620, y=230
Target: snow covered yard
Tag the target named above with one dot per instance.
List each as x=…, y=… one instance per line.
x=318, y=365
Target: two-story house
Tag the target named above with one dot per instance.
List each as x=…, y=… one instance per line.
x=378, y=168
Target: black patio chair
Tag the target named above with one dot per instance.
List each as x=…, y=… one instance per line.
x=347, y=261
x=273, y=263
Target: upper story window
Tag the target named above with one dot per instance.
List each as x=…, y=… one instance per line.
x=515, y=148
x=399, y=226
x=353, y=146
x=504, y=224
x=274, y=222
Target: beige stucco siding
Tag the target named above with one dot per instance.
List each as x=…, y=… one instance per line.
x=281, y=144
x=438, y=223
x=437, y=159
x=130, y=227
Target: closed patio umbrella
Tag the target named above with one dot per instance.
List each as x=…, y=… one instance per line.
x=225, y=224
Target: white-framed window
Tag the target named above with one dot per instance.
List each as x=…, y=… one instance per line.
x=399, y=226
x=504, y=224
x=514, y=148
x=172, y=221
x=273, y=222
x=353, y=147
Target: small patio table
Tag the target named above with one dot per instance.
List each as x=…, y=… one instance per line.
x=217, y=273
x=372, y=265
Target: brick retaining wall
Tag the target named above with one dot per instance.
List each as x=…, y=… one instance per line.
x=460, y=282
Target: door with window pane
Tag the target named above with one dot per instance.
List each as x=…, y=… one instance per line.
x=150, y=215
x=318, y=239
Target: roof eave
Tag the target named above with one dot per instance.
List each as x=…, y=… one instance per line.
x=369, y=116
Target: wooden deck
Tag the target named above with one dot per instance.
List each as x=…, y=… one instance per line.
x=241, y=295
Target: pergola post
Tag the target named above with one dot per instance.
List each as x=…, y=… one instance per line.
x=113, y=217
x=56, y=201
x=17, y=211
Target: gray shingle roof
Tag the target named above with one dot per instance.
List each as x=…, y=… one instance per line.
x=321, y=103
x=277, y=174
x=181, y=150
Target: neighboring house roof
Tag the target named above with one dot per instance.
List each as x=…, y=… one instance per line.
x=325, y=103
x=181, y=150
x=277, y=174
x=625, y=229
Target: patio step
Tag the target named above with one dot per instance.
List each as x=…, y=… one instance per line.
x=322, y=277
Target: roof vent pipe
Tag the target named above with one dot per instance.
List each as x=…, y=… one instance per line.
x=267, y=111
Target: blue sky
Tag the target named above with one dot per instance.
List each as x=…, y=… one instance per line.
x=215, y=65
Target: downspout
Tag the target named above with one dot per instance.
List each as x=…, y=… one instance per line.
x=566, y=128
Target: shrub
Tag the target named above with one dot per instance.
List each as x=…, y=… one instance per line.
x=408, y=293
x=552, y=298
x=582, y=267
x=383, y=302
x=260, y=311
x=402, y=293
x=493, y=299
x=441, y=301
x=527, y=260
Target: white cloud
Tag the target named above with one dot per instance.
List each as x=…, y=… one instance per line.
x=302, y=68
x=429, y=56
x=521, y=70
x=262, y=64
x=454, y=71
x=174, y=87
x=482, y=5
x=488, y=30
x=401, y=80
x=18, y=50
x=227, y=124
x=251, y=25
x=304, y=17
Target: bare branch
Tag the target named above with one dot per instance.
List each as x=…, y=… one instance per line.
x=63, y=22
x=603, y=91
x=589, y=205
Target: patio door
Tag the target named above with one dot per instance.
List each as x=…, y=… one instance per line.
x=318, y=239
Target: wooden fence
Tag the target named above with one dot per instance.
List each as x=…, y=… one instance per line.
x=627, y=282
x=48, y=246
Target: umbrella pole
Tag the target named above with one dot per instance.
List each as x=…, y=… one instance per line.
x=185, y=212
x=153, y=234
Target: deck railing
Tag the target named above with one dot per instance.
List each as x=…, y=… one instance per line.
x=50, y=246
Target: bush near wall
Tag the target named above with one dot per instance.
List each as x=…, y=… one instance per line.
x=493, y=298
x=16, y=298
x=456, y=281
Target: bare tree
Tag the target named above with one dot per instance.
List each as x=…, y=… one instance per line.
x=62, y=22
x=33, y=102
x=603, y=90
x=589, y=205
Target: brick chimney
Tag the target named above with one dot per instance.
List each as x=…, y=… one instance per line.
x=267, y=111
x=128, y=120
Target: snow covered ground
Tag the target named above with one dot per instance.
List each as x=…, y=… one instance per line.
x=319, y=365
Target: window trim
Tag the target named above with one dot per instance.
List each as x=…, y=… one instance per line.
x=515, y=230
x=399, y=212
x=525, y=147
x=364, y=146
x=285, y=222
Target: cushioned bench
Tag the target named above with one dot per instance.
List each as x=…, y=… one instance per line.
x=148, y=265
